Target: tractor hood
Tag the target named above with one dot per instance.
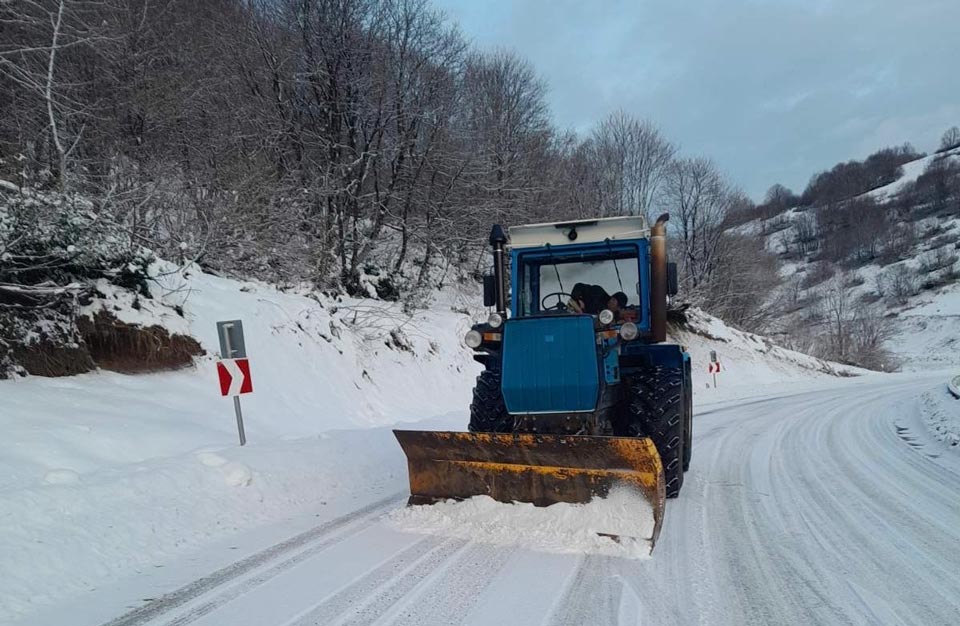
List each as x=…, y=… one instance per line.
x=550, y=365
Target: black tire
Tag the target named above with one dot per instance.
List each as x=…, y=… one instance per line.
x=488, y=413
x=688, y=418
x=656, y=411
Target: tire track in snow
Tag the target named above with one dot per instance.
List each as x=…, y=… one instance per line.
x=751, y=549
x=316, y=539
x=374, y=593
x=593, y=596
x=448, y=595
x=897, y=507
x=839, y=503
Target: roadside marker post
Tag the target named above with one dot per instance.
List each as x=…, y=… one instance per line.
x=233, y=370
x=714, y=367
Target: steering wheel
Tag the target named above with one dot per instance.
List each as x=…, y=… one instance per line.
x=561, y=304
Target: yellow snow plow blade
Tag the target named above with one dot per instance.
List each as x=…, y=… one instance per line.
x=540, y=469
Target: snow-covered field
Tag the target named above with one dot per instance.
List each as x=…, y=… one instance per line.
x=119, y=489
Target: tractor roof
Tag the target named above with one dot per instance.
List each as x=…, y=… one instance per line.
x=582, y=231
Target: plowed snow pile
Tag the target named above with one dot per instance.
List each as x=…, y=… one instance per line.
x=562, y=528
x=942, y=415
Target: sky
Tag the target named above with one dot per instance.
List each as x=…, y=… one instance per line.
x=772, y=90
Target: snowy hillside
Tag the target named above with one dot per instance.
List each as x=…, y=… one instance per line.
x=85, y=459
x=911, y=172
x=745, y=358
x=900, y=278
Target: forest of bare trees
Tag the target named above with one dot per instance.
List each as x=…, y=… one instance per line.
x=314, y=140
x=326, y=142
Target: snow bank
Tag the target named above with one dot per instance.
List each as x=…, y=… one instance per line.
x=560, y=528
x=746, y=359
x=942, y=415
x=104, y=474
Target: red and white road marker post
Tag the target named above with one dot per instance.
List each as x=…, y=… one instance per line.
x=714, y=367
x=233, y=370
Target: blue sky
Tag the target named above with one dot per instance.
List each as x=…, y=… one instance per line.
x=772, y=90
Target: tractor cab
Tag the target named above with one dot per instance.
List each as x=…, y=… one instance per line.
x=578, y=267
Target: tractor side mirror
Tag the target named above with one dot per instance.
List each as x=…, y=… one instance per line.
x=672, y=281
x=489, y=290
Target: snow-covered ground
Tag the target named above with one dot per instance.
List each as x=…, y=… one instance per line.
x=928, y=332
x=911, y=171
x=819, y=502
x=106, y=477
x=942, y=412
x=103, y=474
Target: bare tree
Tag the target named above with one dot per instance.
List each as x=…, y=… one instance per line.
x=742, y=287
x=805, y=226
x=901, y=283
x=837, y=309
x=37, y=36
x=632, y=159
x=509, y=124
x=779, y=198
x=698, y=199
x=950, y=139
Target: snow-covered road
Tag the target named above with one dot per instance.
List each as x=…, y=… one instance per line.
x=832, y=506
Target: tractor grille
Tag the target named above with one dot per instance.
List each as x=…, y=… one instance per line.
x=550, y=365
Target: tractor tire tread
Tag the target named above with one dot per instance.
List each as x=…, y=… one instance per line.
x=488, y=413
x=656, y=410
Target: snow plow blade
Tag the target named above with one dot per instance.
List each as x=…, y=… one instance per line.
x=540, y=469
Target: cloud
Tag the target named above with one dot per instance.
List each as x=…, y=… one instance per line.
x=772, y=90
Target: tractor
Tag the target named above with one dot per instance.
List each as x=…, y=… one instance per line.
x=579, y=392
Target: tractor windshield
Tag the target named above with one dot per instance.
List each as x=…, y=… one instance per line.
x=550, y=282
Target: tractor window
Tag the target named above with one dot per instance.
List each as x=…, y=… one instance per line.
x=526, y=290
x=598, y=277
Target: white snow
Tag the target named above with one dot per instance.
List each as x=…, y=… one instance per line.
x=928, y=331
x=104, y=476
x=61, y=477
x=911, y=171
x=746, y=359
x=787, y=482
x=942, y=415
x=561, y=528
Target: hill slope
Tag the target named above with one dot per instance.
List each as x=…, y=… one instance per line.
x=881, y=268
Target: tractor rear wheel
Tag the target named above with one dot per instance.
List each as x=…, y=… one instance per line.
x=656, y=410
x=687, y=417
x=488, y=413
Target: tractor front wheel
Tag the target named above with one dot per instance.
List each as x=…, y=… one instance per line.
x=656, y=410
x=488, y=413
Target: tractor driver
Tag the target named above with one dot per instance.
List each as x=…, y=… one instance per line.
x=590, y=299
x=618, y=305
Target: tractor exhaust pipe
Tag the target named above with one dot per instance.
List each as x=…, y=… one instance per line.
x=498, y=240
x=658, y=279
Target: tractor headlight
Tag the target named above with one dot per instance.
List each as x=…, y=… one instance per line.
x=629, y=331
x=495, y=320
x=606, y=316
x=473, y=339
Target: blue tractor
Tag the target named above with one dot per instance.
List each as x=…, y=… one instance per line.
x=580, y=393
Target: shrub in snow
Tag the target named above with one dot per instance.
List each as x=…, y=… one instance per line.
x=53, y=250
